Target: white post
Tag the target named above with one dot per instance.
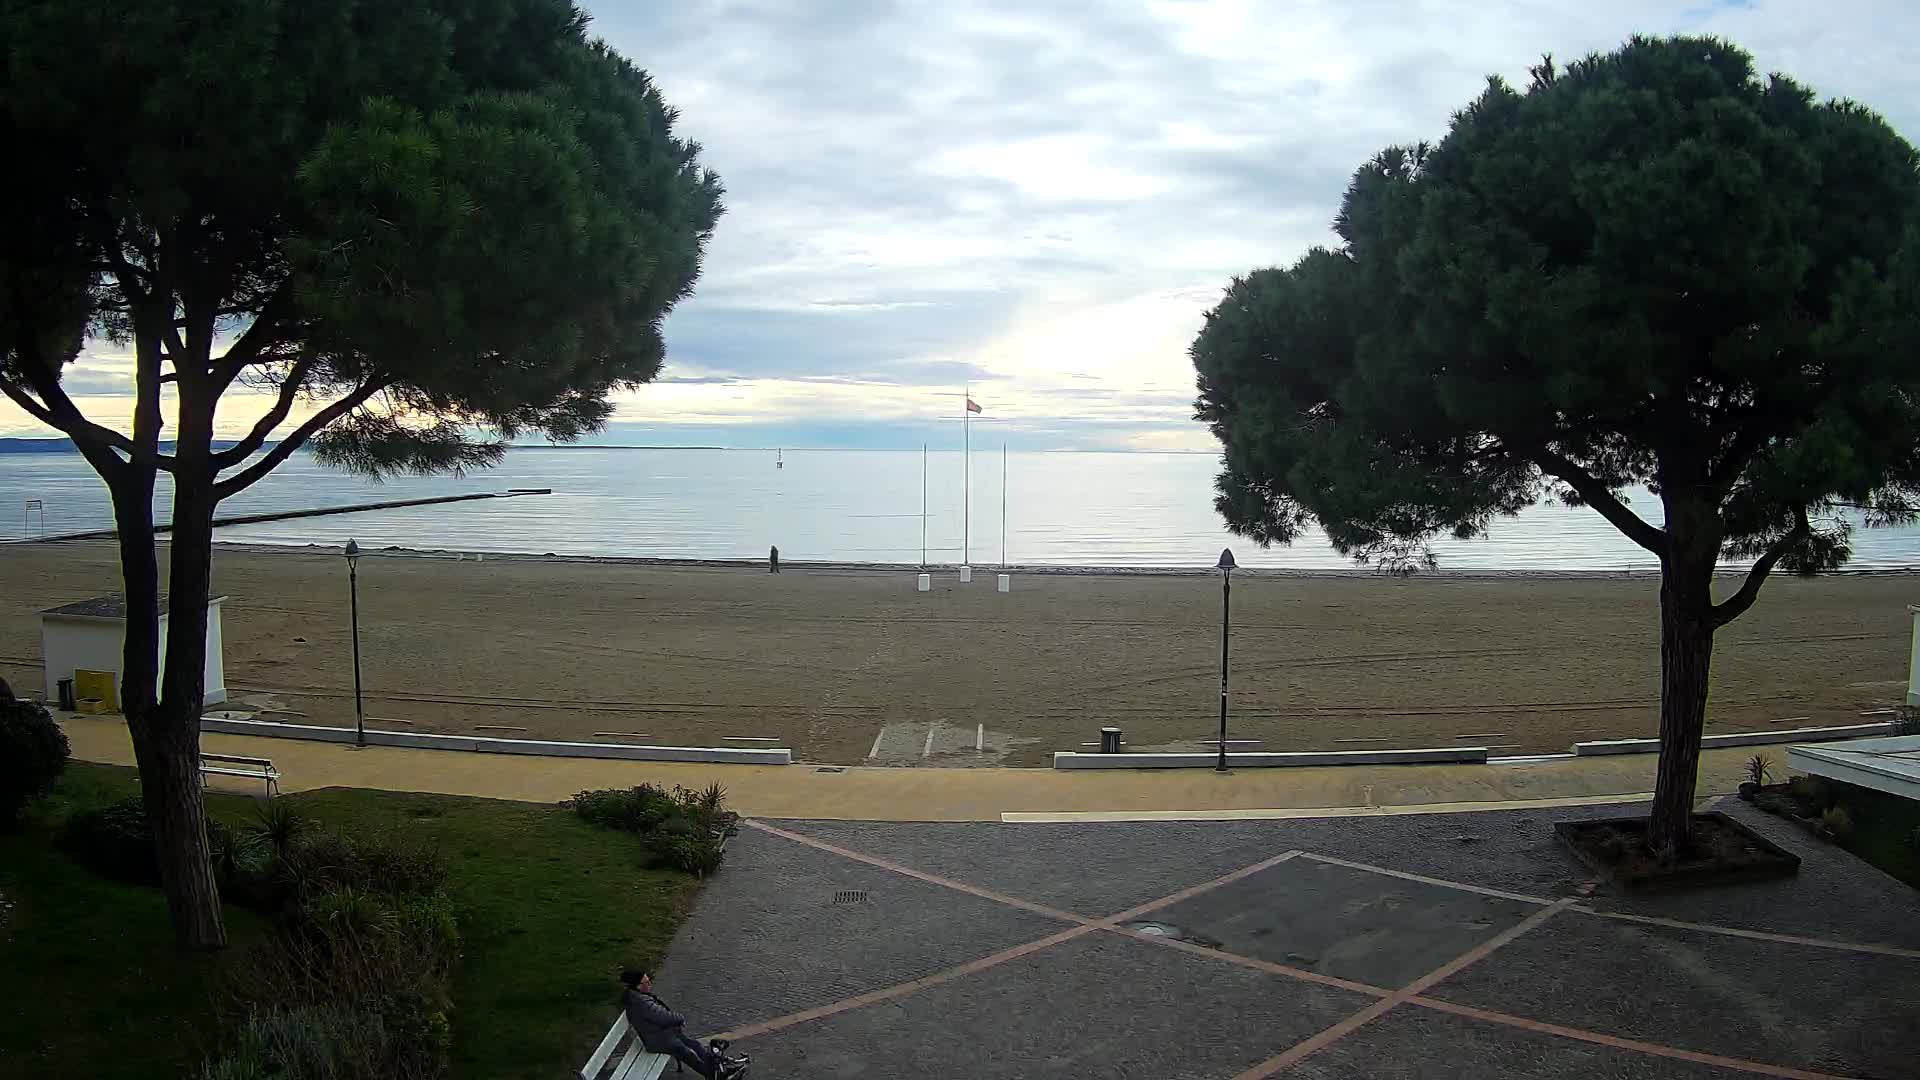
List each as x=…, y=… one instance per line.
x=925, y=583
x=1913, y=664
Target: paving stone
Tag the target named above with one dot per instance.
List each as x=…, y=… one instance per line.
x=766, y=937
x=1097, y=1006
x=1354, y=924
x=1780, y=1004
x=1419, y=1044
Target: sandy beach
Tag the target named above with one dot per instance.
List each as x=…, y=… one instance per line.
x=849, y=666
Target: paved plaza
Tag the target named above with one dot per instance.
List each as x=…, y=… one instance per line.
x=1457, y=945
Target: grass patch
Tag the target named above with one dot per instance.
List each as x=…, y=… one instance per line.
x=92, y=984
x=550, y=909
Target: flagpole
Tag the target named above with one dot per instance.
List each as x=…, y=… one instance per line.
x=966, y=475
x=1003, y=506
x=923, y=505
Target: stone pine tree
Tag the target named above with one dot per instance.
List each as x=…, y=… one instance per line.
x=1650, y=269
x=412, y=228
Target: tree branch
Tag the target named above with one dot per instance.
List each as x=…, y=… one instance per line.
x=271, y=460
x=97, y=451
x=1596, y=495
x=56, y=410
x=289, y=390
x=256, y=338
x=1736, y=605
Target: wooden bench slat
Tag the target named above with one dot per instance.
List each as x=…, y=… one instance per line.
x=640, y=1064
x=591, y=1070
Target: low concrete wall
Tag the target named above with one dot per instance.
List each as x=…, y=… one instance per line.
x=1739, y=738
x=483, y=745
x=1473, y=755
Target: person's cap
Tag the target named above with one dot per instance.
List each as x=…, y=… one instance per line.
x=632, y=978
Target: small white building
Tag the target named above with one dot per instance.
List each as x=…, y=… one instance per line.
x=90, y=636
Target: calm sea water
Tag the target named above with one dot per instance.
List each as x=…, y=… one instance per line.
x=1089, y=509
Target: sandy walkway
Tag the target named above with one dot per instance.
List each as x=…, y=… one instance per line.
x=834, y=663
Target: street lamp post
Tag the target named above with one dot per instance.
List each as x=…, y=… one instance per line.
x=1226, y=602
x=353, y=594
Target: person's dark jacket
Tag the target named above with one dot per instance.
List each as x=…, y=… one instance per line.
x=656, y=1024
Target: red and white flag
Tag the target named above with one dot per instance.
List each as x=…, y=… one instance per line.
x=973, y=406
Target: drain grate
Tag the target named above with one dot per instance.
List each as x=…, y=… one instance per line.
x=831, y=768
x=850, y=896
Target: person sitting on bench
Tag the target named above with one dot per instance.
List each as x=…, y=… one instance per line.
x=663, y=1031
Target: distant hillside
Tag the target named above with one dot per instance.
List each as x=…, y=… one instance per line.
x=65, y=446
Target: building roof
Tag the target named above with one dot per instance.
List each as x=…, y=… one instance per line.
x=1889, y=764
x=111, y=606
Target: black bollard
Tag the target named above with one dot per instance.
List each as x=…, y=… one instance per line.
x=773, y=560
x=1110, y=740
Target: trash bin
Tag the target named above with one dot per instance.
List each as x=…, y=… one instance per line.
x=1110, y=740
x=66, y=695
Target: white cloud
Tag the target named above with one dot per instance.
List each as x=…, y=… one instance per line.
x=1042, y=196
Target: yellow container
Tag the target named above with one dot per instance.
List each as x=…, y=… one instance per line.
x=90, y=706
x=98, y=685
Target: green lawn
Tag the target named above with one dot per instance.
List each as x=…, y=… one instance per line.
x=550, y=910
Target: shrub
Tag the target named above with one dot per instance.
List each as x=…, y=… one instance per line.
x=321, y=861
x=1906, y=720
x=679, y=830
x=33, y=753
x=1837, y=821
x=389, y=1041
x=1811, y=791
x=635, y=809
x=1759, y=768
x=115, y=841
x=277, y=825
x=682, y=843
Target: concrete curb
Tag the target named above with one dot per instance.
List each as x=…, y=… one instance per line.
x=1739, y=738
x=475, y=743
x=1469, y=755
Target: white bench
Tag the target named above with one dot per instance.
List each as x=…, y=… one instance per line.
x=253, y=768
x=636, y=1064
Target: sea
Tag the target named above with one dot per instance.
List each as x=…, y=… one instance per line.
x=1056, y=509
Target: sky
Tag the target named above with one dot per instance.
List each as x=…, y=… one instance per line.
x=1040, y=200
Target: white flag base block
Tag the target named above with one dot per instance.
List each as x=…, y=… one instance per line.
x=926, y=583
x=1006, y=583
x=966, y=574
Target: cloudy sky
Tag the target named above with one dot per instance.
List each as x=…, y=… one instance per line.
x=1042, y=198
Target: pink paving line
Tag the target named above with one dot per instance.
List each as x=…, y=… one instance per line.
x=1084, y=926
x=1616, y=1042
x=1267, y=966
x=1195, y=890
x=912, y=986
x=1389, y=999
x=1301, y=1051
x=1675, y=924
x=1756, y=935
x=921, y=875
x=1423, y=879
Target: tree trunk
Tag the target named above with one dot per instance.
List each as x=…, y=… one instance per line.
x=1686, y=654
x=175, y=805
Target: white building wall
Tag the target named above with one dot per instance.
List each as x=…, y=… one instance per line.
x=68, y=644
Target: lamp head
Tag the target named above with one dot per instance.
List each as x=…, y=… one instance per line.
x=1226, y=559
x=353, y=551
